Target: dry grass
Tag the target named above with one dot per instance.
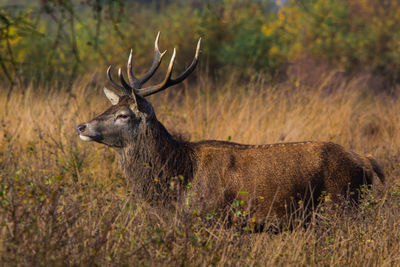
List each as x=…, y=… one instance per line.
x=65, y=202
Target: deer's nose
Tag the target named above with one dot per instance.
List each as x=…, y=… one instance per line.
x=80, y=128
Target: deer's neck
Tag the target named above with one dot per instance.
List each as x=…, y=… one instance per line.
x=153, y=159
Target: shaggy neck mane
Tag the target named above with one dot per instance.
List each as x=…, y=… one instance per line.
x=154, y=161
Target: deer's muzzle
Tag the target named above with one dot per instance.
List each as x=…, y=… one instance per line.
x=80, y=128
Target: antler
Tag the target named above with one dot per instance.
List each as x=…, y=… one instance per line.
x=116, y=85
x=167, y=82
x=138, y=82
x=135, y=84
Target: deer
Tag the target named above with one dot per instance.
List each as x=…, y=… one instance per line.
x=270, y=176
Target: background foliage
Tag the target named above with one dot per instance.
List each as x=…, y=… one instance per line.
x=59, y=40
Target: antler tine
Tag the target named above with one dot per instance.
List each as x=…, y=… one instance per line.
x=116, y=85
x=163, y=85
x=138, y=82
x=167, y=82
x=123, y=82
x=131, y=76
x=191, y=67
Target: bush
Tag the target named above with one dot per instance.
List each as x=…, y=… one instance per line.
x=57, y=41
x=351, y=35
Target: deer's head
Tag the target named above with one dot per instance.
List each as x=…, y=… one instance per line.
x=130, y=111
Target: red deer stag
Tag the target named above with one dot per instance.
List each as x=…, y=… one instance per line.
x=272, y=176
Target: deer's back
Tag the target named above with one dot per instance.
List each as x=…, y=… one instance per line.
x=272, y=175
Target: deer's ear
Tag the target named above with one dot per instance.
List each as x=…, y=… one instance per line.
x=112, y=96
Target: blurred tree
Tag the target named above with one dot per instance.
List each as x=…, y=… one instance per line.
x=55, y=41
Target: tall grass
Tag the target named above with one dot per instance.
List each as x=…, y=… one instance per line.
x=63, y=201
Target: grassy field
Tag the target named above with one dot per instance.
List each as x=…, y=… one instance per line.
x=65, y=202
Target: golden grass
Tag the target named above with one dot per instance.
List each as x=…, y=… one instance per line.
x=64, y=202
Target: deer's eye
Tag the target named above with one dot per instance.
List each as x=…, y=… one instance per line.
x=122, y=116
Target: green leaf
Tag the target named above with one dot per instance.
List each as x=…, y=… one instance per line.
x=209, y=217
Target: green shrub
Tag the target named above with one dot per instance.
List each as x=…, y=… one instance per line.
x=351, y=35
x=57, y=41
